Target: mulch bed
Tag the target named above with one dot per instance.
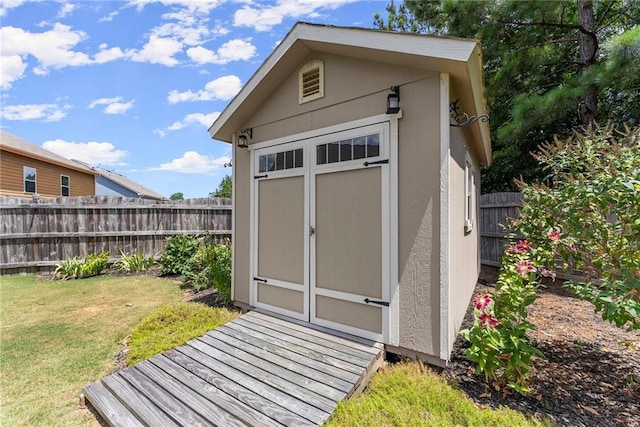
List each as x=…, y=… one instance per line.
x=590, y=375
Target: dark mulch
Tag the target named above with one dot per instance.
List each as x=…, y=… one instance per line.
x=590, y=375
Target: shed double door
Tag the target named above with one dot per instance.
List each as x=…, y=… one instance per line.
x=320, y=230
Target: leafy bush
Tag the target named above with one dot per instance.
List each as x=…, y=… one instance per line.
x=177, y=253
x=593, y=201
x=134, y=262
x=211, y=267
x=171, y=325
x=76, y=268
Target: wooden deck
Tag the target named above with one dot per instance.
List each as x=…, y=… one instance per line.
x=260, y=369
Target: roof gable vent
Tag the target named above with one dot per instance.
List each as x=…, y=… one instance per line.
x=311, y=81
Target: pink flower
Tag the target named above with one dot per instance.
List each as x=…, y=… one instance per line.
x=553, y=234
x=482, y=301
x=547, y=272
x=487, y=320
x=525, y=267
x=522, y=247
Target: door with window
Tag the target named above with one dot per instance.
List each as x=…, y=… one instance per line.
x=322, y=231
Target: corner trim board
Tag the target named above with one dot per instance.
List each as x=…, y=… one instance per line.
x=444, y=216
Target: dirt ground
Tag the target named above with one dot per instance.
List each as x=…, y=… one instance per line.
x=590, y=375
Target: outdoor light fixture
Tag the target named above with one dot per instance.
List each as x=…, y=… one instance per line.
x=393, y=100
x=244, y=136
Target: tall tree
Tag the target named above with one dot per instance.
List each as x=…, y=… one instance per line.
x=176, y=196
x=224, y=188
x=549, y=67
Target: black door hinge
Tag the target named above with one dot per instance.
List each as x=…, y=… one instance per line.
x=260, y=279
x=377, y=162
x=370, y=301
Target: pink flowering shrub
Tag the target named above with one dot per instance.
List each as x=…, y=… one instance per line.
x=499, y=338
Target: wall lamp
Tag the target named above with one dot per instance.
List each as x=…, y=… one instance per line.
x=244, y=136
x=393, y=100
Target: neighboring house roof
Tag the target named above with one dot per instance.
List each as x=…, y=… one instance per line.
x=16, y=145
x=461, y=58
x=125, y=182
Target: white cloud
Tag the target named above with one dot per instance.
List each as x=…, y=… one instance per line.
x=5, y=5
x=160, y=133
x=266, y=16
x=194, y=6
x=233, y=50
x=222, y=88
x=107, y=54
x=193, y=162
x=94, y=153
x=66, y=9
x=109, y=17
x=47, y=112
x=11, y=69
x=196, y=118
x=158, y=50
x=113, y=105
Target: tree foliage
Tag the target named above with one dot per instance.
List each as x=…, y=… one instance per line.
x=224, y=188
x=537, y=80
x=176, y=196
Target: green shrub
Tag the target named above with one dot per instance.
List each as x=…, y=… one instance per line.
x=211, y=267
x=222, y=271
x=177, y=253
x=77, y=268
x=171, y=325
x=134, y=262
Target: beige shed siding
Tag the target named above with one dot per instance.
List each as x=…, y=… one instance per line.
x=47, y=177
x=464, y=256
x=241, y=231
x=358, y=89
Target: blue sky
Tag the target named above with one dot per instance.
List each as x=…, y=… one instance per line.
x=132, y=86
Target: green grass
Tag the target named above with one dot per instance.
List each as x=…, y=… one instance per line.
x=56, y=337
x=171, y=325
x=408, y=394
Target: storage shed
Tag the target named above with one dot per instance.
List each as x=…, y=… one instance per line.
x=356, y=184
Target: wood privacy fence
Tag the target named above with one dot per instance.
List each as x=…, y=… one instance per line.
x=495, y=209
x=38, y=234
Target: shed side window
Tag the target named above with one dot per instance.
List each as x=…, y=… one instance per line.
x=311, y=81
x=29, y=179
x=470, y=189
x=64, y=186
x=282, y=160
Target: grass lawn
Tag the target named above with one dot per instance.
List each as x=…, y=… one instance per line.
x=56, y=337
x=409, y=394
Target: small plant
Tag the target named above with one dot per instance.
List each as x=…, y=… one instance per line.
x=77, y=268
x=171, y=325
x=211, y=267
x=177, y=253
x=134, y=262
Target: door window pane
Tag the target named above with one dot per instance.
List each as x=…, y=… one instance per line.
x=321, y=154
x=333, y=153
x=271, y=162
x=262, y=162
x=345, y=150
x=280, y=161
x=373, y=145
x=358, y=148
x=288, y=159
x=298, y=158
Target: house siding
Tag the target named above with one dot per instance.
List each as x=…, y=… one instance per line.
x=356, y=89
x=47, y=177
x=106, y=187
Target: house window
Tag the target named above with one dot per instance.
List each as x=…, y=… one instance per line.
x=280, y=161
x=470, y=189
x=64, y=186
x=311, y=81
x=29, y=179
x=361, y=147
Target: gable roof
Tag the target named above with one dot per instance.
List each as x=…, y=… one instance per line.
x=12, y=143
x=461, y=58
x=125, y=182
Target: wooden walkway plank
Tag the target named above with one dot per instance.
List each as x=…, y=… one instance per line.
x=284, y=341
x=279, y=397
x=276, y=347
x=292, y=373
x=289, y=360
x=251, y=399
x=311, y=402
x=367, y=343
x=138, y=403
x=285, y=334
x=167, y=402
x=317, y=338
x=213, y=394
x=109, y=407
x=189, y=397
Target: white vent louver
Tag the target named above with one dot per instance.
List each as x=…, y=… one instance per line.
x=311, y=81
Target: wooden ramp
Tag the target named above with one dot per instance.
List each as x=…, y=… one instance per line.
x=260, y=369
